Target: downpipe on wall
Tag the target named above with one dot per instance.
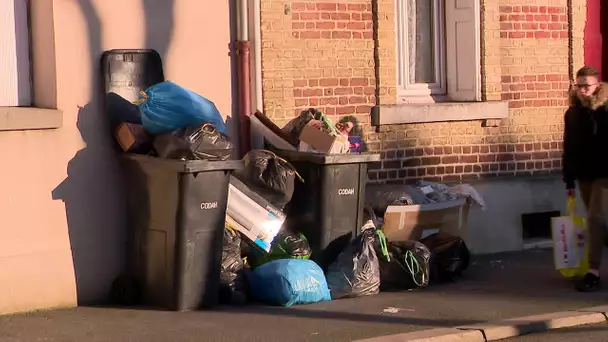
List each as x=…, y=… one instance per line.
x=242, y=48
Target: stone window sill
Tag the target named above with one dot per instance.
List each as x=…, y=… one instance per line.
x=29, y=118
x=409, y=113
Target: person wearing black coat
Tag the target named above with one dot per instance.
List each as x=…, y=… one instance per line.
x=585, y=161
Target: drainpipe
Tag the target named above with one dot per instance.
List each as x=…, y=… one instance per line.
x=255, y=37
x=242, y=48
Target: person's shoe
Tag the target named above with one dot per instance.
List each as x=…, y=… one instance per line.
x=590, y=282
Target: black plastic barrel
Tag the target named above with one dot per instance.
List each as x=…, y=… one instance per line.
x=176, y=213
x=328, y=207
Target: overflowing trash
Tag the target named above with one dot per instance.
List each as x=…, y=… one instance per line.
x=379, y=197
x=166, y=107
x=132, y=138
x=286, y=245
x=176, y=123
x=312, y=131
x=289, y=282
x=410, y=212
x=233, y=279
x=356, y=272
x=252, y=215
x=194, y=143
x=262, y=259
x=270, y=176
x=450, y=257
x=407, y=267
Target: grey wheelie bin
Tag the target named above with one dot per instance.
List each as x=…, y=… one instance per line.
x=328, y=207
x=176, y=213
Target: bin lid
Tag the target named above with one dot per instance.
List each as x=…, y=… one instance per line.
x=189, y=166
x=323, y=159
x=126, y=72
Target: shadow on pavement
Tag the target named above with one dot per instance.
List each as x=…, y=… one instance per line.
x=349, y=316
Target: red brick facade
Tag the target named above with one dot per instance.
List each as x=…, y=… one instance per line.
x=333, y=56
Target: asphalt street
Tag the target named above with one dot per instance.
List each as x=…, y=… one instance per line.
x=494, y=288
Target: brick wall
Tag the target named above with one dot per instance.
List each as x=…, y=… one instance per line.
x=318, y=54
x=321, y=54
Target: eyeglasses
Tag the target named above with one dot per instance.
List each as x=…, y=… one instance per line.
x=585, y=86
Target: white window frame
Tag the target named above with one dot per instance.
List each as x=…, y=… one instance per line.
x=405, y=88
x=15, y=82
x=457, y=48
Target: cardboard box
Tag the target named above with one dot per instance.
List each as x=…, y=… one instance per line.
x=323, y=142
x=413, y=222
x=133, y=138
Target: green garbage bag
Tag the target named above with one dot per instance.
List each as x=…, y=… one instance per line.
x=286, y=245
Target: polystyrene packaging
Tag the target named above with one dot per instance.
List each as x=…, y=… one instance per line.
x=258, y=223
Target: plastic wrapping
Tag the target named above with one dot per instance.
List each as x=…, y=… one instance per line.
x=270, y=176
x=295, y=126
x=449, y=257
x=286, y=245
x=233, y=282
x=194, y=143
x=407, y=268
x=356, y=271
x=289, y=282
x=379, y=197
x=166, y=107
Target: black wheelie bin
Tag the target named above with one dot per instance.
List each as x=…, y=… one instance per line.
x=176, y=214
x=175, y=209
x=328, y=207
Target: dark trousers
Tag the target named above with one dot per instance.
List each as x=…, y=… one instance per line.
x=595, y=197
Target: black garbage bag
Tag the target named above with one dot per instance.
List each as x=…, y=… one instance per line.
x=286, y=245
x=270, y=176
x=295, y=126
x=194, y=143
x=233, y=277
x=356, y=271
x=406, y=268
x=450, y=256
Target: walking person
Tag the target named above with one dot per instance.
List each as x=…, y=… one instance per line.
x=585, y=161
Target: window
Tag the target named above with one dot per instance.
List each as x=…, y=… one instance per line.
x=438, y=50
x=421, y=47
x=15, y=82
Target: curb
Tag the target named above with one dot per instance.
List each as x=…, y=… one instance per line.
x=494, y=331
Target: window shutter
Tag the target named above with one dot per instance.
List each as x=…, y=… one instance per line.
x=15, y=83
x=463, y=49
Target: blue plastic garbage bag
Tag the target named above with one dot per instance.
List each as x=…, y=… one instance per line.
x=166, y=107
x=289, y=282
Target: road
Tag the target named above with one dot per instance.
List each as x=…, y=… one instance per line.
x=495, y=287
x=583, y=333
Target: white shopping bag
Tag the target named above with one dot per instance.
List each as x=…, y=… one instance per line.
x=570, y=244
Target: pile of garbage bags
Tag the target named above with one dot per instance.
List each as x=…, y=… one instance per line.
x=380, y=196
x=175, y=123
x=277, y=262
x=261, y=259
x=367, y=266
x=312, y=131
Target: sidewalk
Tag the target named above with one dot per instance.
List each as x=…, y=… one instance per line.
x=495, y=287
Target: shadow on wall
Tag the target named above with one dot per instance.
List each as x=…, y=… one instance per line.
x=93, y=191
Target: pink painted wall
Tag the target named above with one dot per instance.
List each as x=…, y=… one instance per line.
x=61, y=206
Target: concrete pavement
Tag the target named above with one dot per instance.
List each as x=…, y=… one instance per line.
x=496, y=287
x=597, y=332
